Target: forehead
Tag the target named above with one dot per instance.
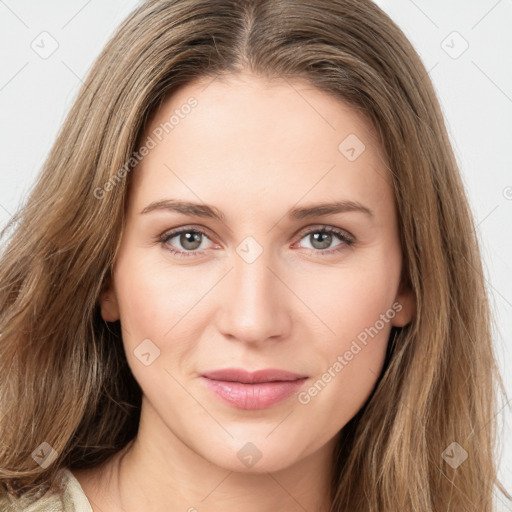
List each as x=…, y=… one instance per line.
x=248, y=136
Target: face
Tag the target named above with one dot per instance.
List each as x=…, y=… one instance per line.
x=258, y=279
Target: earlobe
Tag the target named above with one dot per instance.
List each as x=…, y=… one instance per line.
x=404, y=307
x=108, y=303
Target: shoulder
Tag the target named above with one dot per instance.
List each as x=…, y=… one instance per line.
x=70, y=498
x=74, y=496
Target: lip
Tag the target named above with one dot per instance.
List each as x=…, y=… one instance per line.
x=252, y=390
x=241, y=375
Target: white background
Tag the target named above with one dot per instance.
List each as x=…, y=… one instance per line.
x=475, y=91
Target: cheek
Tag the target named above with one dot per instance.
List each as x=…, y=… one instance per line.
x=354, y=296
x=153, y=304
x=353, y=358
x=359, y=311
x=160, y=302
x=151, y=292
x=147, y=296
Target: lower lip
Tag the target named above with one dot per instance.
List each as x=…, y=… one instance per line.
x=253, y=396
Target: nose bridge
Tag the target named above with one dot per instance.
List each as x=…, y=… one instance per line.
x=255, y=306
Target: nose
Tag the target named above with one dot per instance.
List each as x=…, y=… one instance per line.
x=254, y=305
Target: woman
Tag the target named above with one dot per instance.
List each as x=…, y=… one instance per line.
x=248, y=278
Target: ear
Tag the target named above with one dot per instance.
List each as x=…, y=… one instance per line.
x=108, y=302
x=405, y=308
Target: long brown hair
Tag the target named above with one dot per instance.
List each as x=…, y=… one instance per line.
x=64, y=378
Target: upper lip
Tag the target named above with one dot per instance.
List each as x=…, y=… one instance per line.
x=246, y=377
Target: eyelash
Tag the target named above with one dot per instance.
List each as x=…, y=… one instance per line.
x=347, y=240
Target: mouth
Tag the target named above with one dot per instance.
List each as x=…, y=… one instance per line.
x=246, y=377
x=253, y=390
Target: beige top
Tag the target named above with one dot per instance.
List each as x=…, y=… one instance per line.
x=73, y=499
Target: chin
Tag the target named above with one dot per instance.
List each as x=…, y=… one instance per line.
x=254, y=457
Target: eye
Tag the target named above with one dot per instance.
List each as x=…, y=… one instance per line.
x=321, y=238
x=192, y=239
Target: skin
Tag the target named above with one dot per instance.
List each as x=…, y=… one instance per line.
x=254, y=149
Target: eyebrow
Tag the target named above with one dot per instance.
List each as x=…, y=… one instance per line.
x=296, y=213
